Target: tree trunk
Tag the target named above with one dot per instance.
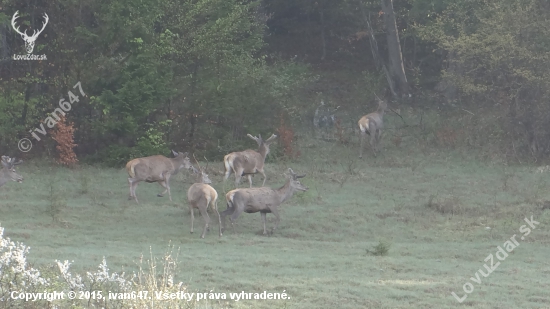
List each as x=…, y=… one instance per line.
x=396, y=67
x=376, y=54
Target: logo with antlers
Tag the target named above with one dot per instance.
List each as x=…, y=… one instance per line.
x=29, y=40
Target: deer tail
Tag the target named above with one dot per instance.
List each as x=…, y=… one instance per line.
x=227, y=162
x=130, y=167
x=229, y=199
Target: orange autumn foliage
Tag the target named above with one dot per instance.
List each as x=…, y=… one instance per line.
x=64, y=136
x=286, y=136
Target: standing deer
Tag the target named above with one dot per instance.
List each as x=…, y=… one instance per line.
x=201, y=195
x=8, y=172
x=372, y=125
x=248, y=162
x=155, y=169
x=264, y=200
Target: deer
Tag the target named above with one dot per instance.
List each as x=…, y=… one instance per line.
x=248, y=162
x=155, y=169
x=372, y=124
x=8, y=172
x=264, y=200
x=200, y=196
x=29, y=40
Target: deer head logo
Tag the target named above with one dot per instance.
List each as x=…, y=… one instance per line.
x=29, y=40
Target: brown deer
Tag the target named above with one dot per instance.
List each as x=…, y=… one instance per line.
x=201, y=195
x=264, y=200
x=155, y=169
x=8, y=172
x=248, y=162
x=372, y=124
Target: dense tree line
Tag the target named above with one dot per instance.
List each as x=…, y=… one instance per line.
x=202, y=73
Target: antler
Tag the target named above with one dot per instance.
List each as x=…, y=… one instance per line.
x=206, y=169
x=272, y=137
x=10, y=162
x=252, y=137
x=198, y=164
x=34, y=33
x=15, y=16
x=294, y=176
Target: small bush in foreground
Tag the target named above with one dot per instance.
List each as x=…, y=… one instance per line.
x=381, y=249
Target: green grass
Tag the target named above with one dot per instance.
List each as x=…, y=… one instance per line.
x=320, y=253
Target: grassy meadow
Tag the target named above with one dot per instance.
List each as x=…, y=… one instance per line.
x=440, y=213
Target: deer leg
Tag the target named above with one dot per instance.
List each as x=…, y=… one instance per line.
x=215, y=206
x=166, y=184
x=206, y=218
x=133, y=187
x=131, y=193
x=250, y=180
x=263, y=221
x=167, y=180
x=372, y=142
x=163, y=184
x=237, y=180
x=378, y=138
x=236, y=213
x=192, y=216
x=263, y=174
x=224, y=213
x=275, y=212
x=362, y=139
x=226, y=176
x=227, y=173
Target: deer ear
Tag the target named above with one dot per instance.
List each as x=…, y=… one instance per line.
x=175, y=153
x=301, y=176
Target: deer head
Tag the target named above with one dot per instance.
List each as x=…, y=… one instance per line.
x=9, y=172
x=182, y=157
x=29, y=40
x=203, y=178
x=295, y=183
x=382, y=105
x=263, y=143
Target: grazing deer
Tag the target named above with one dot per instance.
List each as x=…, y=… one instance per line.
x=264, y=200
x=372, y=125
x=201, y=195
x=8, y=172
x=248, y=162
x=155, y=169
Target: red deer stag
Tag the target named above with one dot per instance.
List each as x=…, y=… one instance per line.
x=372, y=125
x=248, y=162
x=155, y=169
x=8, y=172
x=264, y=200
x=201, y=195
